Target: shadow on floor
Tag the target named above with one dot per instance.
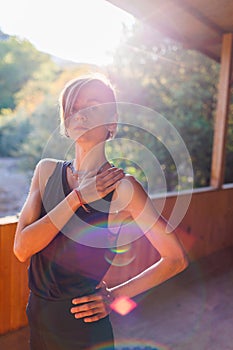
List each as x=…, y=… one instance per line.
x=192, y=311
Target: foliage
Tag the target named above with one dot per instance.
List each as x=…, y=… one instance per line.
x=155, y=79
x=19, y=63
x=179, y=84
x=25, y=75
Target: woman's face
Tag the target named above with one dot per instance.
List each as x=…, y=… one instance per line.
x=92, y=114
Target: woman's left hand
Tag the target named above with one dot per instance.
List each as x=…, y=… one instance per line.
x=93, y=307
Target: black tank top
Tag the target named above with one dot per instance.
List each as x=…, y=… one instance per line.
x=74, y=262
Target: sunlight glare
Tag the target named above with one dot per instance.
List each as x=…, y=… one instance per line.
x=81, y=31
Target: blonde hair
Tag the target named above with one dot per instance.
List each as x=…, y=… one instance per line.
x=70, y=93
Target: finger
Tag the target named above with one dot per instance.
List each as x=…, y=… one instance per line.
x=111, y=175
x=108, y=189
x=111, y=188
x=92, y=173
x=87, y=307
x=88, y=313
x=110, y=171
x=86, y=299
x=108, y=180
x=94, y=318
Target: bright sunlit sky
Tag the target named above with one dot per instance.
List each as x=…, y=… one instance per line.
x=83, y=31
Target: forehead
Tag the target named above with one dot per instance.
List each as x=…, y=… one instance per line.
x=94, y=91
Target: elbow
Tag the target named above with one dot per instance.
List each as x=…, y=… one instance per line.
x=176, y=264
x=181, y=263
x=185, y=263
x=20, y=254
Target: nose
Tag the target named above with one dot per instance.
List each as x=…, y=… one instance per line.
x=81, y=115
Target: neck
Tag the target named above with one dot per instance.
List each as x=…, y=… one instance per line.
x=89, y=158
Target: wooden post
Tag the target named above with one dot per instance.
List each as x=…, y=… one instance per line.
x=221, y=118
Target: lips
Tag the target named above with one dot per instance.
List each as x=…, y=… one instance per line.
x=80, y=128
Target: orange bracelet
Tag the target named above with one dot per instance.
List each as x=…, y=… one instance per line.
x=81, y=202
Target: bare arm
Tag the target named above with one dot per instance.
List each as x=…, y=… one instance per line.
x=173, y=259
x=34, y=234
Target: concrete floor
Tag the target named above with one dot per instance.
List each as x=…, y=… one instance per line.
x=192, y=311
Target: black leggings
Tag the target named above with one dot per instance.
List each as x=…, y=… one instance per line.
x=53, y=327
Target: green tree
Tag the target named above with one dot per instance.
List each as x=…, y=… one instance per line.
x=19, y=63
x=26, y=76
x=179, y=84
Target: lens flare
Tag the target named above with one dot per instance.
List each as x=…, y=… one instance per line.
x=123, y=305
x=133, y=344
x=123, y=256
x=121, y=250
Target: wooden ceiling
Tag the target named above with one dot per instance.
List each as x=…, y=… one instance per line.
x=197, y=24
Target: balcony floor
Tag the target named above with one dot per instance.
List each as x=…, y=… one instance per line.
x=192, y=311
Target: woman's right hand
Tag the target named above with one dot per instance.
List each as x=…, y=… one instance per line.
x=95, y=187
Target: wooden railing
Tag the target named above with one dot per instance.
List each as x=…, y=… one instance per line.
x=13, y=281
x=205, y=229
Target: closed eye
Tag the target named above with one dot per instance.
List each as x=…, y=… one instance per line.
x=92, y=110
x=88, y=111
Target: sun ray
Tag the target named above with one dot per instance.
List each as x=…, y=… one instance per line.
x=81, y=31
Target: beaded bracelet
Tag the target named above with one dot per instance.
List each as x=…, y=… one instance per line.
x=81, y=201
x=106, y=294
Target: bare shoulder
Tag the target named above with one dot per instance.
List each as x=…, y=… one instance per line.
x=130, y=193
x=128, y=184
x=44, y=169
x=47, y=165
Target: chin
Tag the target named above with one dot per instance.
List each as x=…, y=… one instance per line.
x=78, y=134
x=92, y=136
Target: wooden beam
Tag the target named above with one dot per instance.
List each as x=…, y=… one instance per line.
x=221, y=118
x=200, y=16
x=199, y=42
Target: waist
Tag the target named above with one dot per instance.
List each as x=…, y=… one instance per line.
x=55, y=316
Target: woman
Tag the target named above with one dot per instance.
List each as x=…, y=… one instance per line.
x=68, y=307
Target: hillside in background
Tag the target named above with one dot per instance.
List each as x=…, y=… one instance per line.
x=3, y=36
x=59, y=61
